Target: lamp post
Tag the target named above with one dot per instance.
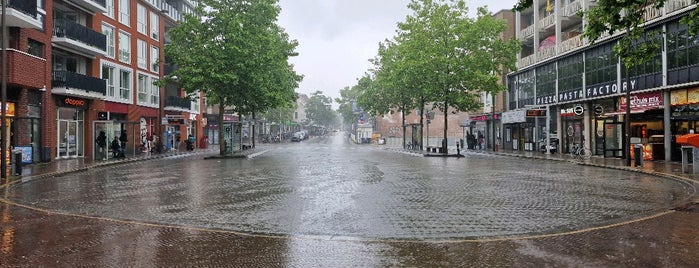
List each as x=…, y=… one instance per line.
x=3, y=144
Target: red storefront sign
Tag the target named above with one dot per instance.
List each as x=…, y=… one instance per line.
x=643, y=101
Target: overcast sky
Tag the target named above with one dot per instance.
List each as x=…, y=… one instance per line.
x=338, y=37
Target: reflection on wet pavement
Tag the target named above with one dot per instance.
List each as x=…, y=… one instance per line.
x=327, y=203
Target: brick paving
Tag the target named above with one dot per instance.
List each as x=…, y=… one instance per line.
x=349, y=212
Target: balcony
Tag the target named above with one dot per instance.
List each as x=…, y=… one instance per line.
x=25, y=70
x=166, y=9
x=526, y=61
x=545, y=53
x=22, y=14
x=527, y=32
x=675, y=5
x=173, y=103
x=572, y=9
x=651, y=13
x=547, y=22
x=570, y=44
x=93, y=6
x=78, y=85
x=79, y=38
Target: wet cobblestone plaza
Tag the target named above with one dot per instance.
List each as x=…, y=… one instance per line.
x=329, y=203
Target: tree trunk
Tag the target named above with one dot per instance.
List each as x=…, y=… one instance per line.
x=221, y=139
x=444, y=141
x=252, y=129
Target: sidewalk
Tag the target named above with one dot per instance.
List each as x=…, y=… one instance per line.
x=63, y=166
x=669, y=169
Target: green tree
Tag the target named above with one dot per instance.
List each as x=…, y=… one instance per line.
x=395, y=83
x=319, y=110
x=459, y=57
x=347, y=102
x=234, y=52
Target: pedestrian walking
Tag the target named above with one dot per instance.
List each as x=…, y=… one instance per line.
x=115, y=147
x=102, y=143
x=123, y=139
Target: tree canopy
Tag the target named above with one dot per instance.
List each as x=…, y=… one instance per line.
x=319, y=110
x=234, y=52
x=440, y=56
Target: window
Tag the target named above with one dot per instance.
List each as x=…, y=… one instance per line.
x=154, y=25
x=108, y=74
x=195, y=104
x=154, y=59
x=109, y=32
x=142, y=54
x=35, y=48
x=154, y=93
x=141, y=19
x=124, y=47
x=124, y=13
x=109, y=4
x=143, y=88
x=124, y=84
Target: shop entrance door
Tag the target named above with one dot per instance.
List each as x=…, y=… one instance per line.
x=70, y=140
x=613, y=134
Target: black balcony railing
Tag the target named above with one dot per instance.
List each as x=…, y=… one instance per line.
x=27, y=7
x=79, y=81
x=183, y=103
x=76, y=31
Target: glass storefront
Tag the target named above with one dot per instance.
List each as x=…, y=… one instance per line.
x=70, y=132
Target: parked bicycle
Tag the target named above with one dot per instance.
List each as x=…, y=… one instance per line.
x=580, y=152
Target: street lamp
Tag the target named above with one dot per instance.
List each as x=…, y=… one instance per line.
x=3, y=144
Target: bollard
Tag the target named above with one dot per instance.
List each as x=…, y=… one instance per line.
x=638, y=152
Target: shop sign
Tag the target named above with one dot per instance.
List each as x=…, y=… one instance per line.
x=66, y=101
x=608, y=89
x=678, y=97
x=570, y=95
x=643, y=101
x=536, y=113
x=598, y=109
x=478, y=118
x=173, y=119
x=546, y=100
x=693, y=95
x=572, y=111
x=516, y=116
x=230, y=118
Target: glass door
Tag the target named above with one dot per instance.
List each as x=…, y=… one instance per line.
x=70, y=133
x=613, y=133
x=69, y=140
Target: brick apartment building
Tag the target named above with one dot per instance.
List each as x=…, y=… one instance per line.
x=79, y=67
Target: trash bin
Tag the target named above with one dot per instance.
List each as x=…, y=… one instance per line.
x=17, y=162
x=638, y=153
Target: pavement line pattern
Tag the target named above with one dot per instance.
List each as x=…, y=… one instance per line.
x=336, y=238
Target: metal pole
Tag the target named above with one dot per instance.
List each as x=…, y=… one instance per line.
x=548, y=130
x=3, y=144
